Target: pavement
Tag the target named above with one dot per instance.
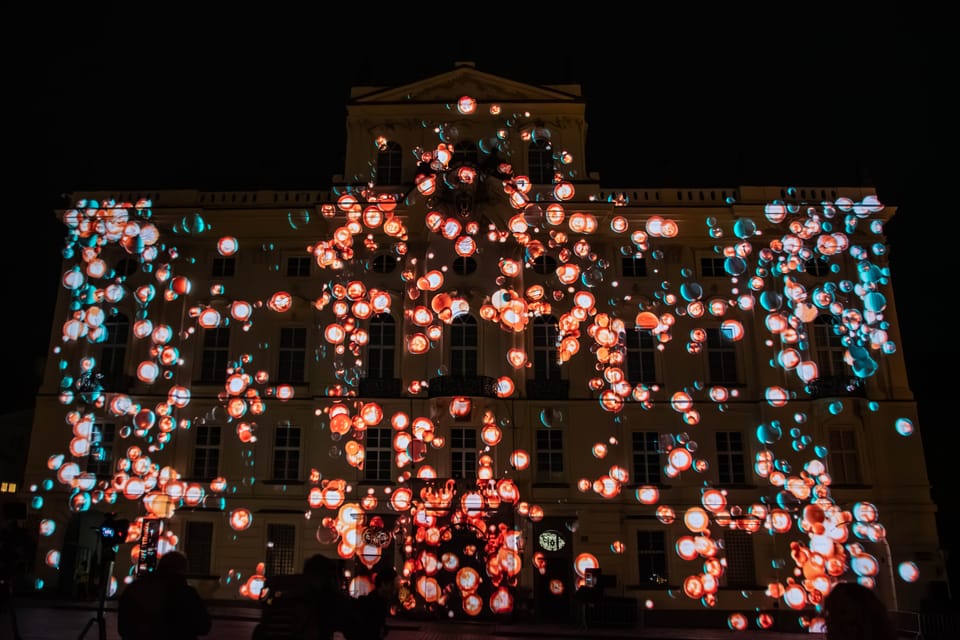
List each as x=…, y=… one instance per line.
x=48, y=620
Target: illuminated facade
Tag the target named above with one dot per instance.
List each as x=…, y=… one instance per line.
x=472, y=360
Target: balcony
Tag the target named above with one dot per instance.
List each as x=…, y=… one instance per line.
x=381, y=388
x=554, y=389
x=443, y=386
x=836, y=387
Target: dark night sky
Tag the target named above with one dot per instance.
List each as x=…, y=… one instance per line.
x=169, y=97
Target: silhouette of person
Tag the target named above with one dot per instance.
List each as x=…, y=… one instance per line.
x=307, y=606
x=854, y=612
x=162, y=606
x=374, y=607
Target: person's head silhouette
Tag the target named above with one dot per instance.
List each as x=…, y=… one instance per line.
x=854, y=612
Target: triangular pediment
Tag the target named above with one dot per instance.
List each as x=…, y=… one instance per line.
x=465, y=80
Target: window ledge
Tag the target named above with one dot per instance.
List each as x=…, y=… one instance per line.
x=551, y=485
x=651, y=587
x=660, y=487
x=273, y=483
x=377, y=483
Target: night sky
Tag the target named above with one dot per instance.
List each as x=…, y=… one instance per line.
x=168, y=97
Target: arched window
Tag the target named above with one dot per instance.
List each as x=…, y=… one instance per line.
x=540, y=162
x=114, y=351
x=545, y=337
x=463, y=346
x=382, y=346
x=465, y=152
x=389, y=164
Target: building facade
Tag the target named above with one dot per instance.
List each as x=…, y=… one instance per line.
x=473, y=361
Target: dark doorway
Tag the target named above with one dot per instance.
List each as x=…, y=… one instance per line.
x=553, y=583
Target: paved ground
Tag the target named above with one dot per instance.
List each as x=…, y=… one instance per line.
x=43, y=621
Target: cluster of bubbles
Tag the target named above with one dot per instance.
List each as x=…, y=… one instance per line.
x=465, y=532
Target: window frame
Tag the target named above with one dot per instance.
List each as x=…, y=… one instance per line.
x=215, y=348
x=846, y=455
x=640, y=356
x=381, y=349
x=736, y=458
x=276, y=530
x=646, y=459
x=464, y=353
x=545, y=350
x=206, y=453
x=101, y=465
x=721, y=357
x=223, y=267
x=378, y=459
x=464, y=458
x=292, y=357
x=390, y=164
x=713, y=267
x=540, y=163
x=652, y=551
x=202, y=548
x=549, y=455
x=289, y=453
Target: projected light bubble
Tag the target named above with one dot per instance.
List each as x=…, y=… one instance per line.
x=462, y=542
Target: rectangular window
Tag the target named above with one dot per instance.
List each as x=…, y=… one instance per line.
x=298, y=267
x=280, y=549
x=463, y=454
x=713, y=268
x=652, y=558
x=216, y=350
x=223, y=267
x=379, y=454
x=634, y=267
x=292, y=355
x=198, y=547
x=843, y=459
x=545, y=334
x=646, y=457
x=816, y=267
x=206, y=452
x=100, y=455
x=381, y=348
x=549, y=455
x=463, y=347
x=721, y=358
x=286, y=453
x=828, y=349
x=730, y=458
x=740, y=571
x=641, y=351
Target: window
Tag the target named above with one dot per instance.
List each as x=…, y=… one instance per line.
x=730, y=459
x=546, y=335
x=721, y=358
x=126, y=267
x=292, y=355
x=198, y=547
x=713, y=267
x=206, y=452
x=100, y=455
x=545, y=265
x=652, y=558
x=844, y=464
x=389, y=164
x=213, y=361
x=641, y=351
x=223, y=267
x=549, y=454
x=384, y=263
x=114, y=351
x=286, y=453
x=280, y=549
x=465, y=152
x=298, y=266
x=463, y=346
x=646, y=457
x=634, y=267
x=828, y=348
x=540, y=162
x=816, y=267
x=379, y=454
x=381, y=347
x=464, y=265
x=463, y=454
x=740, y=567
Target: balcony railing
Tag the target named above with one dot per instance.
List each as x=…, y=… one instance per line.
x=554, y=389
x=836, y=387
x=381, y=387
x=462, y=386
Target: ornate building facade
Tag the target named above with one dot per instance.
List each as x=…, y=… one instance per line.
x=473, y=361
